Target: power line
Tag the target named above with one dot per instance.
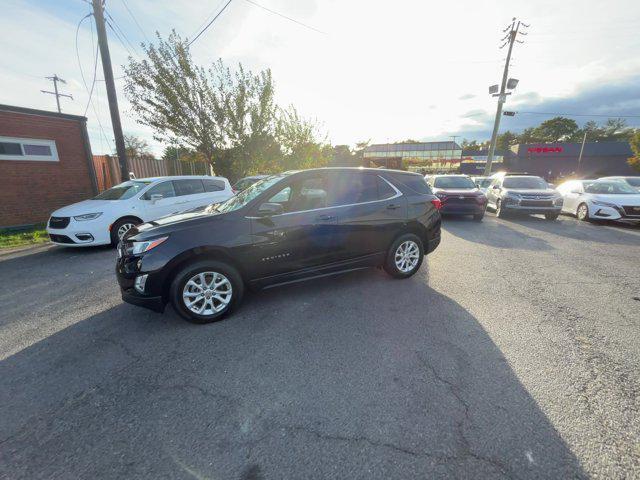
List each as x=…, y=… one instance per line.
x=84, y=80
x=111, y=25
x=208, y=17
x=95, y=72
x=579, y=114
x=135, y=20
x=285, y=17
x=209, y=24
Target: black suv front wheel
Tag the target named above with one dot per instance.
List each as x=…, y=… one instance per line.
x=404, y=256
x=206, y=291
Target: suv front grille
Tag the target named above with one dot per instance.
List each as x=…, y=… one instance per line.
x=632, y=211
x=59, y=222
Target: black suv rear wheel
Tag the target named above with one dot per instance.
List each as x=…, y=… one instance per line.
x=404, y=256
x=206, y=291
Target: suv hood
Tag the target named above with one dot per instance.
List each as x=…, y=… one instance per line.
x=174, y=222
x=86, y=206
x=531, y=191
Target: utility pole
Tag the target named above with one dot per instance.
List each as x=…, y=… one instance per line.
x=55, y=79
x=584, y=139
x=111, y=89
x=510, y=38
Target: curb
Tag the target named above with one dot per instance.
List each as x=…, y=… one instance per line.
x=5, y=252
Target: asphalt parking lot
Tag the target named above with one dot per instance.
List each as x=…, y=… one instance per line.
x=514, y=352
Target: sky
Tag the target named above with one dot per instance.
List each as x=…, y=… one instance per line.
x=377, y=70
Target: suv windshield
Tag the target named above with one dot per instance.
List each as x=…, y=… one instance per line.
x=244, y=197
x=453, y=182
x=123, y=191
x=525, y=182
x=615, y=188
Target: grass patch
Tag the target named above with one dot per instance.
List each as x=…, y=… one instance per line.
x=31, y=236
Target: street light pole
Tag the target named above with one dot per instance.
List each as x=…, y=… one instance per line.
x=502, y=96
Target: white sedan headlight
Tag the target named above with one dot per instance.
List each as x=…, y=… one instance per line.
x=600, y=203
x=87, y=216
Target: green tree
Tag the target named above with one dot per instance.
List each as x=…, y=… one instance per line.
x=136, y=147
x=341, y=156
x=301, y=142
x=470, y=145
x=556, y=129
x=634, y=141
x=505, y=140
x=528, y=135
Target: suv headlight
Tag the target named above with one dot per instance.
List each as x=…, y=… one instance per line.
x=142, y=247
x=87, y=216
x=558, y=200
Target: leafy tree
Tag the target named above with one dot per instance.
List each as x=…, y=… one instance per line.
x=505, y=140
x=136, y=147
x=528, y=136
x=342, y=156
x=470, y=145
x=556, y=129
x=298, y=138
x=635, y=147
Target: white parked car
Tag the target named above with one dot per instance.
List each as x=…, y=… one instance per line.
x=600, y=199
x=633, y=182
x=106, y=218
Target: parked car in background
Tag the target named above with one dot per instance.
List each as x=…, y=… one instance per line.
x=482, y=183
x=601, y=199
x=633, y=182
x=286, y=228
x=459, y=195
x=246, y=182
x=105, y=218
x=525, y=194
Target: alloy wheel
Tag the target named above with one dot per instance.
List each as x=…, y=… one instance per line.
x=407, y=256
x=124, y=228
x=207, y=293
x=583, y=212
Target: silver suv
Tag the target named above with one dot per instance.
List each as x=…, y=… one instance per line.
x=525, y=194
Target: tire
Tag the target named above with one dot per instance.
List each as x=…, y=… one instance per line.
x=551, y=216
x=124, y=225
x=582, y=212
x=500, y=213
x=478, y=217
x=404, y=247
x=214, y=307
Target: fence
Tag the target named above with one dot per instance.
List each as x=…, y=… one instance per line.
x=108, y=170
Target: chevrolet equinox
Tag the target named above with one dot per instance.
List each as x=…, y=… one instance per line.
x=285, y=228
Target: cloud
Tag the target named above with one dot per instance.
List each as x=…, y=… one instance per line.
x=466, y=96
x=611, y=100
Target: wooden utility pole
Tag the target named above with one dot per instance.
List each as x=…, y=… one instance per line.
x=111, y=89
x=55, y=79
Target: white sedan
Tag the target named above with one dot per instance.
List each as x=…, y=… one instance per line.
x=105, y=219
x=600, y=199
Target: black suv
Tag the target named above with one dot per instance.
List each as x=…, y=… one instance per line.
x=284, y=228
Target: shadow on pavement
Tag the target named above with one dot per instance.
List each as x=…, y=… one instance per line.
x=493, y=234
x=571, y=228
x=358, y=376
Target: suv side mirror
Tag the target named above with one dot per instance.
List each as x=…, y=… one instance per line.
x=496, y=187
x=155, y=197
x=270, y=209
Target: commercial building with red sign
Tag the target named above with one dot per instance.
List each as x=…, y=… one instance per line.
x=562, y=159
x=45, y=163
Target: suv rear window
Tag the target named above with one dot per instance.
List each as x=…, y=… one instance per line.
x=350, y=188
x=417, y=183
x=188, y=187
x=213, y=185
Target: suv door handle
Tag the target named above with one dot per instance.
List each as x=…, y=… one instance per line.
x=324, y=218
x=393, y=206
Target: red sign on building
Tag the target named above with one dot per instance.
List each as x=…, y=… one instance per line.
x=544, y=149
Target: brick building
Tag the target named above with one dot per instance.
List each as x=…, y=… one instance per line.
x=45, y=163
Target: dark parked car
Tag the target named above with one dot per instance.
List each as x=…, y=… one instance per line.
x=459, y=195
x=282, y=229
x=246, y=182
x=527, y=194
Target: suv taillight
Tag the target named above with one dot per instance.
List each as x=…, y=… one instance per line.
x=437, y=203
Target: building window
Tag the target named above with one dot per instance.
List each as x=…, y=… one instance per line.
x=28, y=149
